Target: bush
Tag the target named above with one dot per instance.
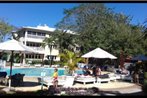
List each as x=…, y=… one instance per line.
x=46, y=62
x=144, y=88
x=36, y=62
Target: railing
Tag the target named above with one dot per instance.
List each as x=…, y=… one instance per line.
x=34, y=36
x=38, y=48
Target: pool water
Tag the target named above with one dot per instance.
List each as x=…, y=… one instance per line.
x=37, y=71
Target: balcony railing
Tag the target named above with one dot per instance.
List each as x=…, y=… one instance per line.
x=35, y=36
x=37, y=48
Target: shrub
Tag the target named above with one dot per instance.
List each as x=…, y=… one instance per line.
x=36, y=62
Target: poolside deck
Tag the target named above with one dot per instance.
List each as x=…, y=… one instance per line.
x=31, y=84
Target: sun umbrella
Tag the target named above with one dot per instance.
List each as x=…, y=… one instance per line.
x=13, y=46
x=140, y=58
x=98, y=53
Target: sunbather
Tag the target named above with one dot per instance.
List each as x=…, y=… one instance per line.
x=86, y=71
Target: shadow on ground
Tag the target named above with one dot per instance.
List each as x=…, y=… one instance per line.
x=30, y=84
x=69, y=92
x=25, y=84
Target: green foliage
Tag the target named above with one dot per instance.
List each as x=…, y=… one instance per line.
x=47, y=62
x=70, y=59
x=64, y=40
x=144, y=88
x=4, y=56
x=17, y=58
x=99, y=26
x=5, y=29
x=36, y=62
x=49, y=42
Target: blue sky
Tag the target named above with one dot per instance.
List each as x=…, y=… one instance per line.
x=33, y=14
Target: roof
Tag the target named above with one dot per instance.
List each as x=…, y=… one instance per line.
x=44, y=28
x=39, y=27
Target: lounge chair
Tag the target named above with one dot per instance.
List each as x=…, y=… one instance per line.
x=69, y=81
x=103, y=78
x=54, y=66
x=46, y=66
x=85, y=79
x=100, y=80
x=47, y=80
x=37, y=65
x=127, y=77
x=17, y=64
x=114, y=77
x=26, y=65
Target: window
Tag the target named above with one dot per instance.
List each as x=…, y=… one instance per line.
x=43, y=34
x=36, y=56
x=27, y=44
x=55, y=57
x=34, y=33
x=27, y=56
x=39, y=33
x=29, y=32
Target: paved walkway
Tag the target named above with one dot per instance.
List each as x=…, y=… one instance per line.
x=135, y=89
x=120, y=87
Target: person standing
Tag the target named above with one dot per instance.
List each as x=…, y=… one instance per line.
x=97, y=72
x=55, y=78
x=136, y=73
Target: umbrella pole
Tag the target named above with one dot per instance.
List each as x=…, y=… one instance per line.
x=11, y=71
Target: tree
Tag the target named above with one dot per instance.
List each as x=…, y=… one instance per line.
x=70, y=59
x=99, y=26
x=49, y=42
x=64, y=40
x=15, y=35
x=144, y=87
x=5, y=29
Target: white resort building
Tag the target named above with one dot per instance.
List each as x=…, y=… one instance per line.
x=33, y=37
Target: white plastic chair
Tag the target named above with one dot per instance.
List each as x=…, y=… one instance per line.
x=69, y=81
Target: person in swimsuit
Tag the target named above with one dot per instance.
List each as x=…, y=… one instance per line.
x=55, y=77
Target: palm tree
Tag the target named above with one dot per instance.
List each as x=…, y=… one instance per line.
x=64, y=40
x=70, y=59
x=50, y=42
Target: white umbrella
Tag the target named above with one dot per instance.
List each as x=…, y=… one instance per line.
x=98, y=53
x=13, y=46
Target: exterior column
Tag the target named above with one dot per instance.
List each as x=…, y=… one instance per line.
x=42, y=57
x=25, y=42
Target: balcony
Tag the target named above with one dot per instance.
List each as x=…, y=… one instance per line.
x=35, y=36
x=37, y=48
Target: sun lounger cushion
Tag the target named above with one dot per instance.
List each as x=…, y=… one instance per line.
x=85, y=79
x=104, y=76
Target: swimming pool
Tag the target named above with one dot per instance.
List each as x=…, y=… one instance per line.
x=36, y=71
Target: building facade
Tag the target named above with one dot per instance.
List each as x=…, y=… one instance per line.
x=33, y=37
